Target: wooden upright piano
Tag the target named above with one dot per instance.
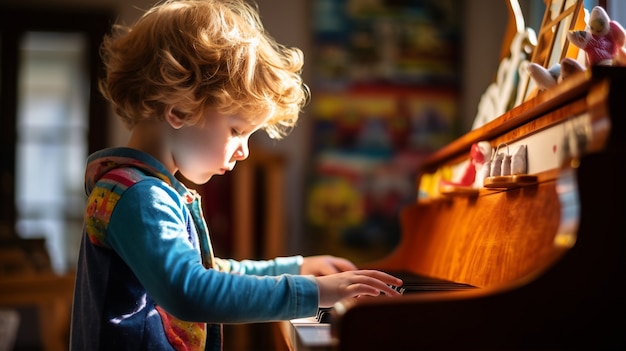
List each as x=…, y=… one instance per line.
x=547, y=256
x=524, y=262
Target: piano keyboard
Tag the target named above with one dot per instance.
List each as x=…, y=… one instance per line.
x=412, y=283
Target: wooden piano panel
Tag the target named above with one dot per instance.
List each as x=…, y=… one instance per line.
x=482, y=241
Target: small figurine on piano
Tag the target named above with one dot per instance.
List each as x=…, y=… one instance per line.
x=547, y=78
x=603, y=40
x=480, y=153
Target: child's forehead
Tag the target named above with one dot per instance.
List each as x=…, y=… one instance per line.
x=256, y=116
x=249, y=120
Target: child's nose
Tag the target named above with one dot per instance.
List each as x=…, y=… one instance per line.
x=242, y=151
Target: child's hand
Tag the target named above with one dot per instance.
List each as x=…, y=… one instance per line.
x=335, y=287
x=324, y=265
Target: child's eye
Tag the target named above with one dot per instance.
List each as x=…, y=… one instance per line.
x=235, y=132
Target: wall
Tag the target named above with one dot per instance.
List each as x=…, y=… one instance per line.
x=288, y=21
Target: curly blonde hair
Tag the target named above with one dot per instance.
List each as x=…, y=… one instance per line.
x=199, y=54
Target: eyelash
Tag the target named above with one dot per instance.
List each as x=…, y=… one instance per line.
x=236, y=133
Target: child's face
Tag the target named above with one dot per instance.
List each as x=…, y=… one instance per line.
x=213, y=145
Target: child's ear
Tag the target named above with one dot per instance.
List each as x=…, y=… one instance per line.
x=175, y=118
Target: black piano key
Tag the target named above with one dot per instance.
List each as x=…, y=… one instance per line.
x=324, y=315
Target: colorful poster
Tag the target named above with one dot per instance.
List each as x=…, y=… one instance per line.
x=385, y=95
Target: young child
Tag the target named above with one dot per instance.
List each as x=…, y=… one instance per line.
x=192, y=80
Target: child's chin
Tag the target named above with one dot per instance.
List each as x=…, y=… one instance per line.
x=204, y=180
x=199, y=180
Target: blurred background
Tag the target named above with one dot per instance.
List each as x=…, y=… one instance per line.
x=391, y=81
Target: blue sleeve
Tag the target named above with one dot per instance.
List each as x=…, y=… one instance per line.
x=277, y=266
x=148, y=231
